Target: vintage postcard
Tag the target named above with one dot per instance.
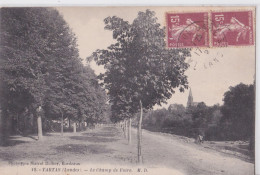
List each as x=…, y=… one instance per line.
x=127, y=90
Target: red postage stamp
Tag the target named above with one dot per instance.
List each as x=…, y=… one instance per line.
x=232, y=28
x=187, y=30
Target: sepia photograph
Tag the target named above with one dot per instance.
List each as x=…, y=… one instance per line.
x=127, y=90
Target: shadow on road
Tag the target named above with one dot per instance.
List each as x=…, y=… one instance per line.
x=83, y=149
x=93, y=139
x=109, y=129
x=11, y=142
x=8, y=156
x=102, y=134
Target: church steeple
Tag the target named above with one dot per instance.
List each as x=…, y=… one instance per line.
x=190, y=99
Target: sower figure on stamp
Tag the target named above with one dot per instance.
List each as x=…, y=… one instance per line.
x=190, y=27
x=233, y=26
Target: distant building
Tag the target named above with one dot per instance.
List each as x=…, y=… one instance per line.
x=190, y=100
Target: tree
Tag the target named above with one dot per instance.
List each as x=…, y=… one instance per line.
x=41, y=70
x=215, y=115
x=200, y=116
x=75, y=94
x=239, y=111
x=178, y=109
x=23, y=42
x=140, y=70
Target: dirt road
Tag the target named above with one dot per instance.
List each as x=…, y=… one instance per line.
x=189, y=158
x=107, y=145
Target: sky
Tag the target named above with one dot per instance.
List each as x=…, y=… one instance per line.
x=208, y=79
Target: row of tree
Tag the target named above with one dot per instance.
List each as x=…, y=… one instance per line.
x=139, y=70
x=42, y=75
x=234, y=120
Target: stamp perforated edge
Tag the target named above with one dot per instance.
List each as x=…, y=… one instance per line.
x=209, y=10
x=184, y=12
x=236, y=10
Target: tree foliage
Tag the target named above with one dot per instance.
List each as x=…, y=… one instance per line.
x=139, y=66
x=40, y=66
x=239, y=111
x=200, y=115
x=23, y=62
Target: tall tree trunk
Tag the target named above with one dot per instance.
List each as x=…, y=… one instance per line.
x=129, y=131
x=39, y=124
x=69, y=124
x=25, y=123
x=17, y=124
x=125, y=125
x=61, y=124
x=80, y=127
x=13, y=124
x=139, y=135
x=4, y=128
x=74, y=127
